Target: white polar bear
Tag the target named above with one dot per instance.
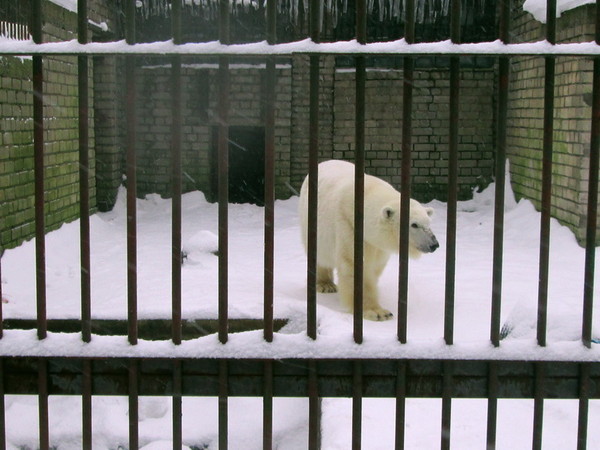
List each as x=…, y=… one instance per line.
x=335, y=232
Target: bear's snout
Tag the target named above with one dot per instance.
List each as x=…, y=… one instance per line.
x=434, y=245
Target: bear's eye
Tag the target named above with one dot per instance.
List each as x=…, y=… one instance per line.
x=414, y=225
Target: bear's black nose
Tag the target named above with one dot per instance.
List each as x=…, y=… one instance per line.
x=434, y=246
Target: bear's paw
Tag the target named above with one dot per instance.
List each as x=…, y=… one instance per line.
x=377, y=314
x=326, y=287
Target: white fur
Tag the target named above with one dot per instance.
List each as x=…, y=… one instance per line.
x=335, y=235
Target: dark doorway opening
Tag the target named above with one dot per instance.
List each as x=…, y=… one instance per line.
x=246, y=165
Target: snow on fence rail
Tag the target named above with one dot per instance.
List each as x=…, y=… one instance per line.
x=261, y=363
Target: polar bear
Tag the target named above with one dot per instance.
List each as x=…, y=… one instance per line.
x=335, y=233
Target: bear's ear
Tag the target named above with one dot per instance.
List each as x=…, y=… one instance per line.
x=388, y=213
x=429, y=211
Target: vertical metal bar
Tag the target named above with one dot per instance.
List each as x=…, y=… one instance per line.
x=86, y=404
x=44, y=431
x=177, y=410
x=546, y=204
x=84, y=168
x=38, y=149
x=2, y=410
x=176, y=253
x=133, y=376
x=313, y=187
x=400, y=405
x=492, y=410
x=538, y=407
x=271, y=80
x=314, y=407
x=447, y=404
x=592, y=207
x=223, y=404
x=359, y=174
x=268, y=405
x=131, y=162
x=405, y=174
x=357, y=396
x=503, y=80
x=269, y=262
x=223, y=173
x=1, y=298
x=584, y=397
x=452, y=179
x=313, y=177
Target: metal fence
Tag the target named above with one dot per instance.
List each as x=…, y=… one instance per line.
x=51, y=372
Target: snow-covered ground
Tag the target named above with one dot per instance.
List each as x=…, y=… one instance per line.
x=199, y=275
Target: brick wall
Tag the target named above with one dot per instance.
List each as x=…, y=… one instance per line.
x=60, y=135
x=199, y=116
x=431, y=123
x=336, y=124
x=571, y=118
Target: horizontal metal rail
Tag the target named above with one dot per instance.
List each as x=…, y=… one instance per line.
x=335, y=378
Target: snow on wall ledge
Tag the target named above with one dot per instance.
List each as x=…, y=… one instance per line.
x=537, y=8
x=251, y=345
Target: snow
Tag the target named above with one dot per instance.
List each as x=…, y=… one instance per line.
x=262, y=48
x=537, y=8
x=199, y=274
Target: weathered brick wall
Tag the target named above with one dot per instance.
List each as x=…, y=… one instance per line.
x=336, y=124
x=199, y=116
x=301, y=114
x=431, y=123
x=16, y=151
x=571, y=118
x=60, y=135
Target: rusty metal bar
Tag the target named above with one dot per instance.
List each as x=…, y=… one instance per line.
x=492, y=399
x=132, y=396
x=130, y=163
x=313, y=176
x=447, y=388
x=503, y=80
x=400, y=405
x=357, y=397
x=592, y=207
x=223, y=404
x=359, y=172
x=223, y=173
x=84, y=168
x=314, y=407
x=86, y=404
x=270, y=94
x=269, y=263
x=176, y=177
x=546, y=203
x=584, y=404
x=452, y=179
x=176, y=402
x=38, y=149
x=44, y=430
x=1, y=298
x=268, y=405
x=2, y=410
x=405, y=187
x=313, y=187
x=538, y=408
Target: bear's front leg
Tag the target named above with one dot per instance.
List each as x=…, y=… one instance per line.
x=371, y=308
x=325, y=282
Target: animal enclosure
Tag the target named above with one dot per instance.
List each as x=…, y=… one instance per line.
x=171, y=356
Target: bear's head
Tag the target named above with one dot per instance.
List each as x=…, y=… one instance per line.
x=421, y=239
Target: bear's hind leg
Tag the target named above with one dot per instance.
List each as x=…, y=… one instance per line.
x=325, y=282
